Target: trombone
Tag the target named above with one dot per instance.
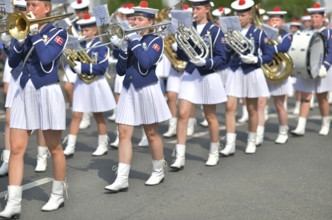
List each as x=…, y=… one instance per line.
x=18, y=24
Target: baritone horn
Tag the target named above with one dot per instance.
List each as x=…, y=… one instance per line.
x=18, y=24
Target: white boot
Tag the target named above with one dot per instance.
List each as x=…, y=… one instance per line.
x=213, y=154
x=266, y=112
x=325, y=126
x=158, y=174
x=144, y=140
x=312, y=102
x=5, y=160
x=85, y=122
x=115, y=143
x=245, y=116
x=42, y=156
x=251, y=145
x=56, y=200
x=171, y=128
x=13, y=207
x=259, y=135
x=102, y=145
x=296, y=110
x=112, y=117
x=330, y=97
x=191, y=126
x=204, y=123
x=300, y=128
x=121, y=182
x=180, y=151
x=70, y=148
x=283, y=135
x=229, y=149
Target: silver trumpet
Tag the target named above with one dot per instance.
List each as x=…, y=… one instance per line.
x=239, y=43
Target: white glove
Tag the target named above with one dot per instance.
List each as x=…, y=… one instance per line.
x=175, y=46
x=116, y=41
x=322, y=72
x=133, y=36
x=78, y=67
x=34, y=27
x=198, y=61
x=249, y=59
x=6, y=39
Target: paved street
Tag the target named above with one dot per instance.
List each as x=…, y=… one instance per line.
x=292, y=181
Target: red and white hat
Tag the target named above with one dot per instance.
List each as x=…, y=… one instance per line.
x=261, y=11
x=316, y=8
x=201, y=2
x=276, y=12
x=20, y=3
x=127, y=9
x=80, y=4
x=306, y=18
x=295, y=22
x=242, y=5
x=87, y=21
x=186, y=7
x=221, y=12
x=144, y=10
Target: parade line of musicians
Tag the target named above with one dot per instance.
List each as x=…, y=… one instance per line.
x=35, y=101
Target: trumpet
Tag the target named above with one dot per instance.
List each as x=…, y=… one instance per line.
x=18, y=24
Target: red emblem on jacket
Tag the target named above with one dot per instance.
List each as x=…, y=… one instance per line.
x=156, y=47
x=59, y=40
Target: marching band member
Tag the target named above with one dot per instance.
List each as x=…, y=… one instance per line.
x=33, y=106
x=295, y=26
x=95, y=97
x=306, y=20
x=81, y=7
x=279, y=91
x=246, y=79
x=11, y=84
x=141, y=101
x=201, y=84
x=322, y=84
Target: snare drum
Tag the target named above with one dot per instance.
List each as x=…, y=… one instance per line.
x=307, y=52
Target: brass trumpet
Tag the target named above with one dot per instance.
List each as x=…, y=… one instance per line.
x=18, y=24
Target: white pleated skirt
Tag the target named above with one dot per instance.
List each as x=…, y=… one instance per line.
x=38, y=109
x=118, y=83
x=13, y=86
x=174, y=81
x=250, y=85
x=199, y=89
x=6, y=78
x=144, y=106
x=93, y=97
x=317, y=85
x=69, y=76
x=223, y=74
x=282, y=88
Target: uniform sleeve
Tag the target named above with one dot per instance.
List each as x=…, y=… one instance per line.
x=219, y=53
x=47, y=53
x=15, y=54
x=328, y=57
x=149, y=57
x=267, y=54
x=122, y=63
x=100, y=67
x=285, y=44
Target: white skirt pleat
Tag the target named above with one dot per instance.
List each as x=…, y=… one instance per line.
x=250, y=85
x=223, y=74
x=38, y=109
x=144, y=106
x=6, y=78
x=279, y=89
x=199, y=89
x=13, y=86
x=317, y=85
x=118, y=83
x=93, y=97
x=174, y=81
x=69, y=76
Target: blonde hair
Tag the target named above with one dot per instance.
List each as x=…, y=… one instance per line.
x=49, y=4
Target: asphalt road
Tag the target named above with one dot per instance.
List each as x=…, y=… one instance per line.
x=291, y=181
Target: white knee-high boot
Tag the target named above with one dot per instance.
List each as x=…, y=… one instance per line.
x=56, y=200
x=121, y=182
x=171, y=128
x=115, y=143
x=42, y=156
x=85, y=122
x=213, y=154
x=144, y=140
x=251, y=144
x=283, y=135
x=191, y=126
x=180, y=151
x=300, y=128
x=5, y=160
x=13, y=207
x=245, y=115
x=260, y=135
x=158, y=174
x=325, y=126
x=229, y=149
x=102, y=145
x=70, y=148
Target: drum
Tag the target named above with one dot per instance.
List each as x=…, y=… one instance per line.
x=308, y=53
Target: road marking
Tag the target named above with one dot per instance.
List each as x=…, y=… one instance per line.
x=30, y=185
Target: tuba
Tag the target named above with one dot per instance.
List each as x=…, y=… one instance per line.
x=177, y=64
x=281, y=66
